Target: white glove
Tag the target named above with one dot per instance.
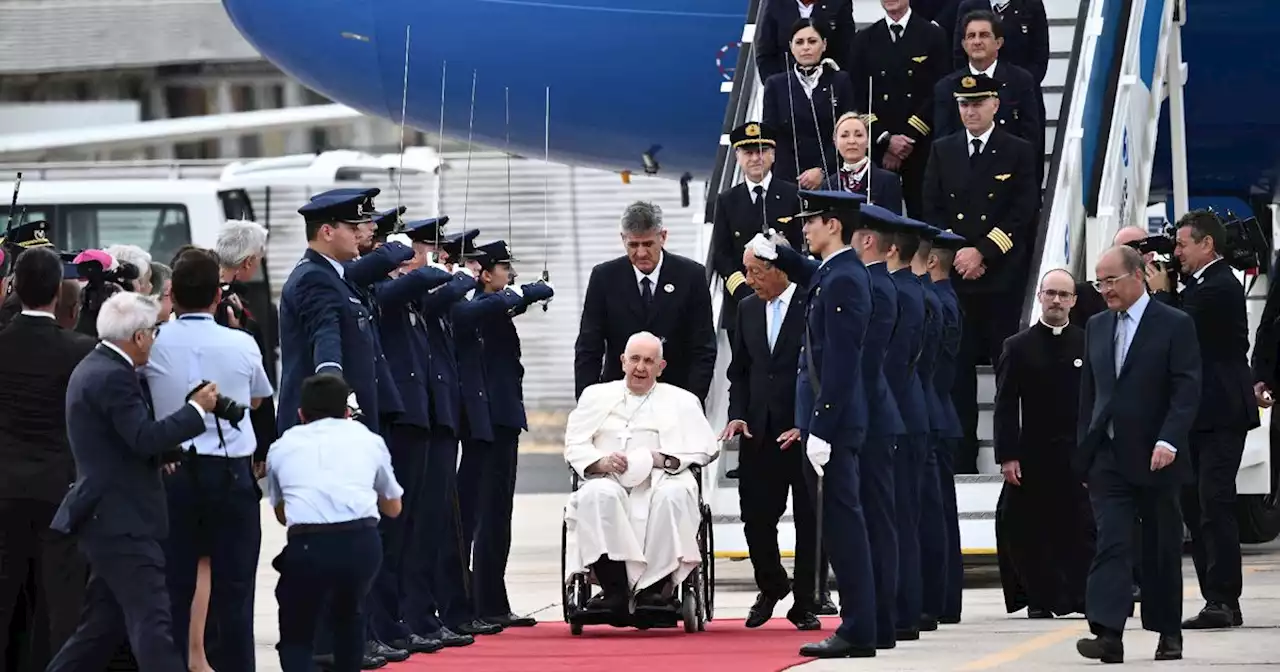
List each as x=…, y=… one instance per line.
x=517, y=290
x=401, y=238
x=819, y=453
x=433, y=261
x=763, y=248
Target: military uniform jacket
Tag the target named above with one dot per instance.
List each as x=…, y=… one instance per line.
x=1026, y=35
x=736, y=221
x=929, y=353
x=902, y=75
x=323, y=320
x=773, y=33
x=805, y=125
x=363, y=273
x=992, y=204
x=469, y=320
x=1019, y=111
x=836, y=321
x=404, y=339
x=442, y=362
x=1038, y=398
x=944, y=375
x=902, y=359
x=882, y=408
x=504, y=374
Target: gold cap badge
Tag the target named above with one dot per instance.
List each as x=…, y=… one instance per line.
x=968, y=82
x=753, y=130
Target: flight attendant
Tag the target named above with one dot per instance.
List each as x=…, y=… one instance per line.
x=856, y=173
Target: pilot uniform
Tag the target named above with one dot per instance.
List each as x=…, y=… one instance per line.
x=900, y=63
x=947, y=439
x=883, y=428
x=487, y=474
x=1018, y=114
x=839, y=291
x=744, y=210
x=327, y=475
x=984, y=189
x=1026, y=35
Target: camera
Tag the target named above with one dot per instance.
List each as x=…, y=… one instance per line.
x=1244, y=247
x=100, y=285
x=225, y=408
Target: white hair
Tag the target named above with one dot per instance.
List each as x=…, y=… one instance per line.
x=239, y=240
x=643, y=337
x=125, y=314
x=132, y=254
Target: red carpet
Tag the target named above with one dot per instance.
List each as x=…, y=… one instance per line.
x=725, y=646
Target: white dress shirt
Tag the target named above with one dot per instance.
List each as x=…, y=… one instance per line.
x=990, y=71
x=41, y=313
x=985, y=138
x=652, y=275
x=751, y=190
x=1197, y=275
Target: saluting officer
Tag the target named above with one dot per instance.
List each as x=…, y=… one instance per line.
x=943, y=606
x=872, y=241
x=755, y=205
x=487, y=475
x=831, y=403
x=773, y=31
x=902, y=372
x=900, y=58
x=932, y=534
x=437, y=581
x=981, y=183
x=404, y=340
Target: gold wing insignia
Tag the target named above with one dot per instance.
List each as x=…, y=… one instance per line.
x=1004, y=176
x=920, y=59
x=784, y=220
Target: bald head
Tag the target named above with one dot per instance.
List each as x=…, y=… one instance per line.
x=1121, y=277
x=1129, y=234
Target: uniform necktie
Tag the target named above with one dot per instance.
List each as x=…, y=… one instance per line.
x=776, y=324
x=977, y=150
x=897, y=31
x=646, y=290
x=1122, y=333
x=758, y=192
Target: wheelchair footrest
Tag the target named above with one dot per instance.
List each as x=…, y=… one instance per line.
x=645, y=617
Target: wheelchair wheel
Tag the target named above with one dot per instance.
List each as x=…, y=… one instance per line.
x=709, y=566
x=575, y=629
x=689, y=612
x=566, y=588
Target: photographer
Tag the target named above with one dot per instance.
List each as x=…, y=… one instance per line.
x=1214, y=298
x=117, y=507
x=212, y=494
x=103, y=277
x=138, y=258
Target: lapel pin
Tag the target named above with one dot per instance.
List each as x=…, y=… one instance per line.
x=668, y=288
x=1079, y=363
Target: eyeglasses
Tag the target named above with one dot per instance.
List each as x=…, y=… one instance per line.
x=1056, y=294
x=1103, y=284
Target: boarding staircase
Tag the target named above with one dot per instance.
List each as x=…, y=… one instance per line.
x=1107, y=74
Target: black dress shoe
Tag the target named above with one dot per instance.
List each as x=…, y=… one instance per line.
x=948, y=620
x=827, y=607
x=372, y=662
x=450, y=639
x=607, y=602
x=906, y=634
x=1036, y=612
x=1169, y=648
x=393, y=655
x=928, y=624
x=1237, y=618
x=478, y=627
x=804, y=620
x=511, y=621
x=1105, y=649
x=835, y=647
x=1214, y=615
x=417, y=644
x=761, y=611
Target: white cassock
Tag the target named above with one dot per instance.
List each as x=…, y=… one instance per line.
x=647, y=518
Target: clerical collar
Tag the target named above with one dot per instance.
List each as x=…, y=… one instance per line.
x=1057, y=331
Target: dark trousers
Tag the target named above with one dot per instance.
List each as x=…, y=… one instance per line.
x=408, y=446
x=1108, y=594
x=327, y=572
x=486, y=497
x=126, y=597
x=435, y=588
x=878, y=499
x=765, y=475
x=42, y=580
x=214, y=512
x=988, y=320
x=1209, y=509
x=844, y=535
x=933, y=536
x=909, y=463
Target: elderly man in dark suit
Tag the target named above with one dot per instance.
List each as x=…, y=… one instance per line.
x=36, y=466
x=648, y=289
x=117, y=507
x=1139, y=392
x=762, y=411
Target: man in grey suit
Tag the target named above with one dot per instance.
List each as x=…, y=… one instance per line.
x=1139, y=391
x=117, y=507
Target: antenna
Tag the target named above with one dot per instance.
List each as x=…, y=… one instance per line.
x=791, y=105
x=871, y=82
x=507, y=100
x=471, y=124
x=546, y=187
x=444, y=78
x=404, y=109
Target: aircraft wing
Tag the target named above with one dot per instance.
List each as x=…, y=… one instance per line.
x=32, y=145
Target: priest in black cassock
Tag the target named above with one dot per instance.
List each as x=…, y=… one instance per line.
x=1044, y=525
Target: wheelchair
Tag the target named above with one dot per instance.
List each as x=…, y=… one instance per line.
x=696, y=593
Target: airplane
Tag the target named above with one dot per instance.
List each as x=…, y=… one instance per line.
x=630, y=78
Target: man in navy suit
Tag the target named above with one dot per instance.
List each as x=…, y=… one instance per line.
x=117, y=507
x=1139, y=393
x=831, y=406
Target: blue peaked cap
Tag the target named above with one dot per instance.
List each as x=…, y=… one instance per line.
x=386, y=221
x=915, y=226
x=460, y=245
x=427, y=230
x=949, y=241
x=341, y=205
x=491, y=254
x=814, y=203
x=877, y=218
